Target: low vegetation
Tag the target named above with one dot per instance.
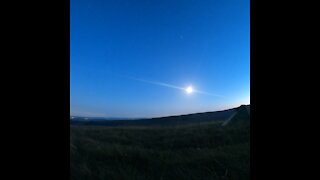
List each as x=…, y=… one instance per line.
x=192, y=151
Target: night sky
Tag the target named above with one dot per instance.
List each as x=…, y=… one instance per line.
x=134, y=58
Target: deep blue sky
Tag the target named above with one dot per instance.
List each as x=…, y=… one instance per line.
x=203, y=43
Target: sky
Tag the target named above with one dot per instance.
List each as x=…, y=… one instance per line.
x=134, y=58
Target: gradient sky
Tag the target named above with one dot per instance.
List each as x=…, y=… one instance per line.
x=123, y=51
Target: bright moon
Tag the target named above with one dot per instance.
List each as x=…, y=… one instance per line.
x=189, y=90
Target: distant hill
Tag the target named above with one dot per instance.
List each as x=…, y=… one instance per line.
x=170, y=120
x=79, y=118
x=240, y=114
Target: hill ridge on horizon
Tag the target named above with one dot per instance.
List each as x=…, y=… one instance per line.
x=167, y=120
x=156, y=117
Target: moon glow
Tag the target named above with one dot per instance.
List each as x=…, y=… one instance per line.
x=189, y=89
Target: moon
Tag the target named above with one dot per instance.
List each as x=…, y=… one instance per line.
x=189, y=89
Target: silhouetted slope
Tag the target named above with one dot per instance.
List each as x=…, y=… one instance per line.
x=171, y=120
x=240, y=114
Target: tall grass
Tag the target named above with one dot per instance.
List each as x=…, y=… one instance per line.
x=201, y=151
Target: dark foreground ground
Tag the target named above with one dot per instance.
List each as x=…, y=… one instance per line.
x=194, y=151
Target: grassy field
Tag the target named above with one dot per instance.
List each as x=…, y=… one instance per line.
x=200, y=151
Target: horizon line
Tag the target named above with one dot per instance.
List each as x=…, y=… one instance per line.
x=118, y=117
